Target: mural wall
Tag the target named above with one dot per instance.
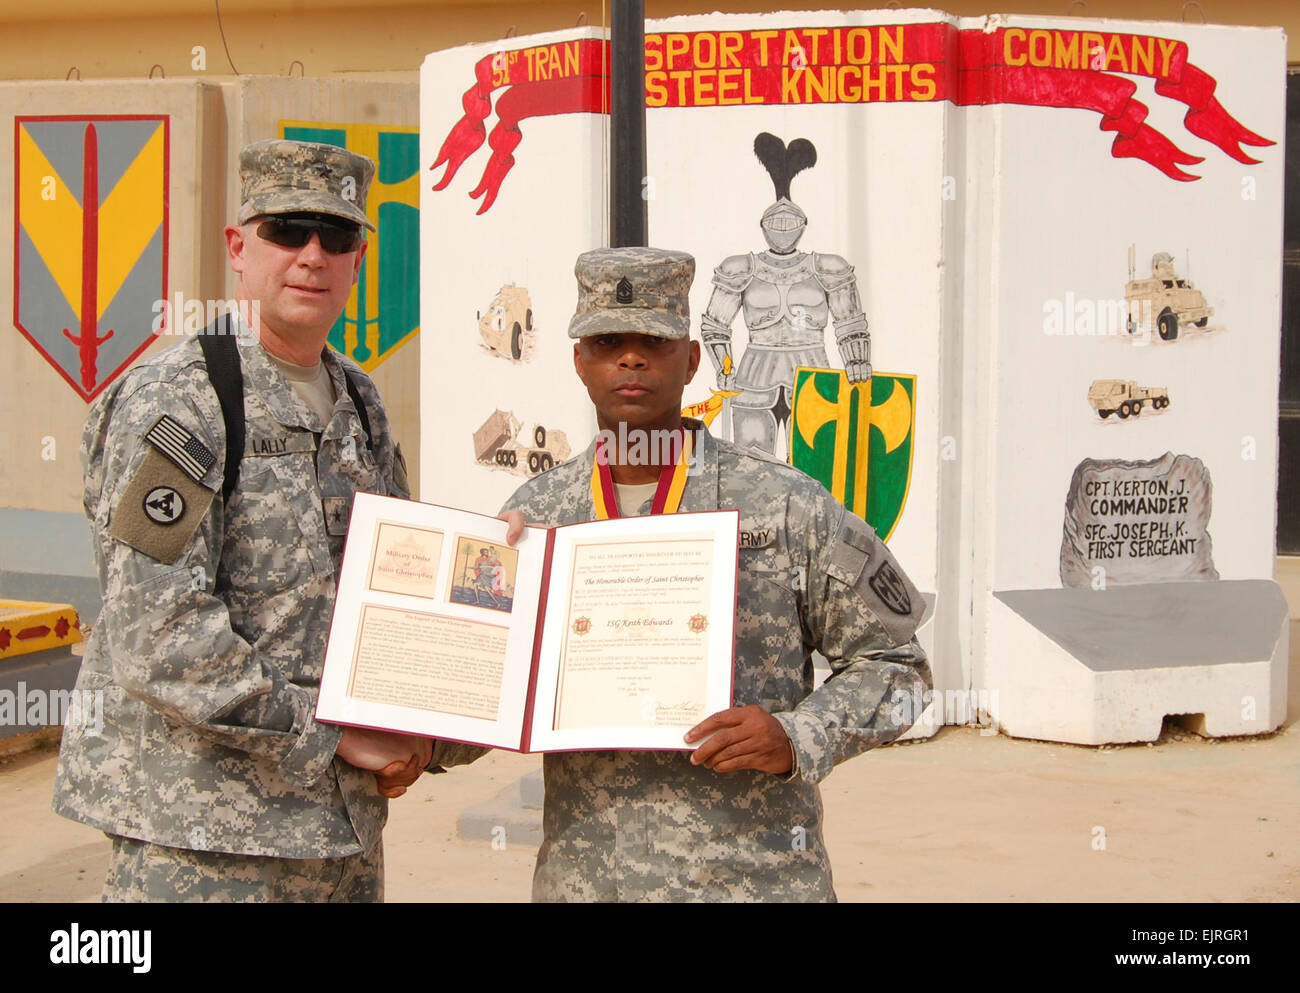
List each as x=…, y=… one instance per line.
x=116, y=202
x=989, y=279
x=98, y=188
x=499, y=235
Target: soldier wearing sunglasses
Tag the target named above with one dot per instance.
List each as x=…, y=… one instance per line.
x=217, y=561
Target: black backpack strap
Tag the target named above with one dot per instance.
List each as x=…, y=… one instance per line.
x=355, y=395
x=222, y=357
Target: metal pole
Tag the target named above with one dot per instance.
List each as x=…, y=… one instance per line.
x=627, y=205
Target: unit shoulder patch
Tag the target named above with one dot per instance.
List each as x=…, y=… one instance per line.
x=887, y=584
x=164, y=505
x=161, y=507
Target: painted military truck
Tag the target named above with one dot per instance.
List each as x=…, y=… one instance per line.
x=507, y=321
x=1166, y=299
x=1126, y=398
x=526, y=449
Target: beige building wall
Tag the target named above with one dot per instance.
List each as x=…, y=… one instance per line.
x=41, y=413
x=338, y=39
x=217, y=91
x=209, y=122
x=255, y=107
x=342, y=36
x=44, y=547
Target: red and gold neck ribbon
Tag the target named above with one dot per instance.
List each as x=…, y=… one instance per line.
x=668, y=494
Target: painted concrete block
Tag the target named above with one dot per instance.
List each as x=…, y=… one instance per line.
x=1095, y=667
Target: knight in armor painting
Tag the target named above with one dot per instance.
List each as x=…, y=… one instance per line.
x=788, y=298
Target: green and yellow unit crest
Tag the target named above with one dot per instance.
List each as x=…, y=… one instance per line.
x=856, y=440
x=383, y=312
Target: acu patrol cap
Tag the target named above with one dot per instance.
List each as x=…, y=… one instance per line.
x=285, y=177
x=633, y=291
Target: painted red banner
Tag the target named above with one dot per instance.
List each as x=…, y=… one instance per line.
x=567, y=78
x=1037, y=67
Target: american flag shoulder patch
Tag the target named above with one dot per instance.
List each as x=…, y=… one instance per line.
x=180, y=446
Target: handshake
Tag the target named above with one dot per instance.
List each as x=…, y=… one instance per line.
x=396, y=759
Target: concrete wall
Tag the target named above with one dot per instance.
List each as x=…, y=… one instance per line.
x=40, y=483
x=44, y=551
x=343, y=36
x=173, y=222
x=958, y=284
x=260, y=107
x=43, y=413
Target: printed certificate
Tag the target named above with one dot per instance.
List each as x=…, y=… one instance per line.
x=611, y=634
x=434, y=624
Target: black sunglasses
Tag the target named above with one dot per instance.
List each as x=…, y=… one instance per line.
x=336, y=238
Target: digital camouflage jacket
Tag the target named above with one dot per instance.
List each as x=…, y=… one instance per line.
x=627, y=825
x=209, y=647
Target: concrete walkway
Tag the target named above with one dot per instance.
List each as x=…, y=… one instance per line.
x=958, y=817
x=961, y=816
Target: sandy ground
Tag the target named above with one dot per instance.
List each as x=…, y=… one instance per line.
x=962, y=816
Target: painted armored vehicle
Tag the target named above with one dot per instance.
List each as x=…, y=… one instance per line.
x=1126, y=398
x=1165, y=300
x=507, y=320
x=527, y=449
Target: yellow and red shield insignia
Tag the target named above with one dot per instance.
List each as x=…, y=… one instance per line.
x=90, y=239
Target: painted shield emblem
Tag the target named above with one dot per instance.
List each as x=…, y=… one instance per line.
x=861, y=451
x=383, y=312
x=582, y=625
x=90, y=237
x=698, y=623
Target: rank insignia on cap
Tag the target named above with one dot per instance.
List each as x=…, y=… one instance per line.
x=180, y=447
x=609, y=302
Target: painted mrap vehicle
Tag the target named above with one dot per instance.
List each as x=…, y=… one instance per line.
x=1165, y=298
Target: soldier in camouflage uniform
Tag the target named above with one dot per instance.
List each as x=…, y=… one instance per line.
x=740, y=817
x=211, y=774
